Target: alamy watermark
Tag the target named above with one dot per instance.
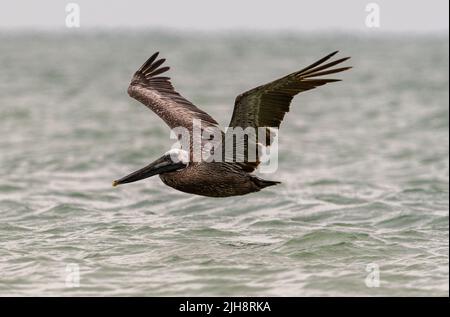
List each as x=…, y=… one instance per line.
x=373, y=278
x=373, y=15
x=72, y=15
x=72, y=276
x=210, y=144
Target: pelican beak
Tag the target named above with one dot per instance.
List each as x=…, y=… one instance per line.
x=162, y=165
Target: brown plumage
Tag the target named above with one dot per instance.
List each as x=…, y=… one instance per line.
x=263, y=106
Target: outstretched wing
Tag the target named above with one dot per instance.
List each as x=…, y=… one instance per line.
x=266, y=105
x=158, y=94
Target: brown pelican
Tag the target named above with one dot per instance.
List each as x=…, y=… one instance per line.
x=263, y=106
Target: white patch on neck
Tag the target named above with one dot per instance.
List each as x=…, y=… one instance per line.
x=178, y=155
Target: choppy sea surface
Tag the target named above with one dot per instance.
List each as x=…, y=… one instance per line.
x=364, y=166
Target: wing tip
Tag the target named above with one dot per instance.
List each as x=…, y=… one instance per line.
x=148, y=61
x=320, y=69
x=333, y=53
x=151, y=68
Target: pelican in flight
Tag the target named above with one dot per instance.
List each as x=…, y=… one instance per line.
x=263, y=106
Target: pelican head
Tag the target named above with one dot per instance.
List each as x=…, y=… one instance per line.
x=171, y=161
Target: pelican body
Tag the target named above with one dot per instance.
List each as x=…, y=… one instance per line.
x=263, y=106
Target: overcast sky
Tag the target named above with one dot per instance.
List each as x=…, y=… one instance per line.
x=345, y=15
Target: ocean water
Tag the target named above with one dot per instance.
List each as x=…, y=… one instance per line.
x=364, y=166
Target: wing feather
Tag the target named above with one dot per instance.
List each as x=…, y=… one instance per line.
x=157, y=93
x=266, y=105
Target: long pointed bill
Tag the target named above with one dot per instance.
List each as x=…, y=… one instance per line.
x=161, y=165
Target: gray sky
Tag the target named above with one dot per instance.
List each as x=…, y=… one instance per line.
x=347, y=15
